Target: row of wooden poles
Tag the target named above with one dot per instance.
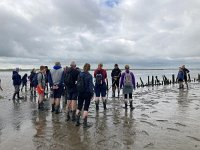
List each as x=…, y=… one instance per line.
x=165, y=81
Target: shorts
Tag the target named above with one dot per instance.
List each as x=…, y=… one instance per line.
x=40, y=92
x=115, y=83
x=126, y=96
x=100, y=90
x=72, y=95
x=56, y=93
x=84, y=99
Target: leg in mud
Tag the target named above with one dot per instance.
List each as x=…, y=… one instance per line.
x=131, y=101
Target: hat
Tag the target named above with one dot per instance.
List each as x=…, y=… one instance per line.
x=57, y=63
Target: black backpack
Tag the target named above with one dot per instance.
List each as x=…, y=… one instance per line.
x=68, y=80
x=81, y=85
x=99, y=78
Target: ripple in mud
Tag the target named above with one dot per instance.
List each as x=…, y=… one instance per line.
x=180, y=124
x=172, y=129
x=194, y=138
x=149, y=123
x=149, y=145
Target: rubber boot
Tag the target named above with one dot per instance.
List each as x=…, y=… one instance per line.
x=125, y=105
x=113, y=94
x=14, y=96
x=52, y=107
x=131, y=105
x=68, y=115
x=104, y=105
x=78, y=119
x=19, y=96
x=57, y=109
x=85, y=124
x=73, y=115
x=97, y=105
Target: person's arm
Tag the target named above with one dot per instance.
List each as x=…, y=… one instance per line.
x=50, y=80
x=106, y=79
x=91, y=86
x=133, y=80
x=122, y=80
x=187, y=70
x=95, y=73
x=62, y=79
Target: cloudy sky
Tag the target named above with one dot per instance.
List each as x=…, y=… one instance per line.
x=144, y=33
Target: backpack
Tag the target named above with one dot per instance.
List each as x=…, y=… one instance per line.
x=99, y=78
x=128, y=79
x=81, y=86
x=35, y=79
x=68, y=80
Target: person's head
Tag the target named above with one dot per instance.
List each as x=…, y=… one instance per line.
x=73, y=64
x=25, y=75
x=100, y=66
x=57, y=64
x=86, y=67
x=180, y=68
x=126, y=67
x=42, y=69
x=116, y=66
x=17, y=69
x=183, y=66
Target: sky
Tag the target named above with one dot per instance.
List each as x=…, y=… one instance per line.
x=142, y=33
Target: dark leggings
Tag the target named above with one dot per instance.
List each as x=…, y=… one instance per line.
x=84, y=98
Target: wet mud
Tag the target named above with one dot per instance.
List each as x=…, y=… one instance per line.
x=164, y=118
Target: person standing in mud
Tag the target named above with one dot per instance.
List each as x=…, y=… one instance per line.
x=32, y=75
x=127, y=83
x=16, y=83
x=24, y=82
x=85, y=89
x=185, y=71
x=115, y=74
x=70, y=81
x=56, y=81
x=180, y=78
x=46, y=78
x=40, y=87
x=100, y=76
x=0, y=86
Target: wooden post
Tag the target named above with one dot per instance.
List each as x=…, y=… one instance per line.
x=152, y=82
x=173, y=78
x=199, y=77
x=142, y=83
x=137, y=85
x=148, y=81
x=194, y=79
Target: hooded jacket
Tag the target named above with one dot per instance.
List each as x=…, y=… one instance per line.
x=16, y=78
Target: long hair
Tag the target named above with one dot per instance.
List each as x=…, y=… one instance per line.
x=86, y=67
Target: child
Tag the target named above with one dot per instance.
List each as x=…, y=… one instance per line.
x=24, y=82
x=180, y=78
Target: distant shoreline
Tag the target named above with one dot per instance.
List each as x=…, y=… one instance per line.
x=2, y=70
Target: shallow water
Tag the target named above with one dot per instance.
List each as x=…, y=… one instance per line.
x=165, y=118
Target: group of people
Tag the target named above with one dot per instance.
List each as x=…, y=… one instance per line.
x=78, y=86
x=182, y=76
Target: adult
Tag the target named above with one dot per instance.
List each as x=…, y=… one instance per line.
x=47, y=72
x=16, y=83
x=101, y=81
x=70, y=81
x=85, y=93
x=24, y=82
x=185, y=71
x=127, y=82
x=41, y=86
x=31, y=77
x=115, y=75
x=56, y=81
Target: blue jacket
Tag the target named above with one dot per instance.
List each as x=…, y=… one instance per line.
x=180, y=75
x=24, y=79
x=89, y=82
x=16, y=78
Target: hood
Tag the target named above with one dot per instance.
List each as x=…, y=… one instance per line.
x=57, y=67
